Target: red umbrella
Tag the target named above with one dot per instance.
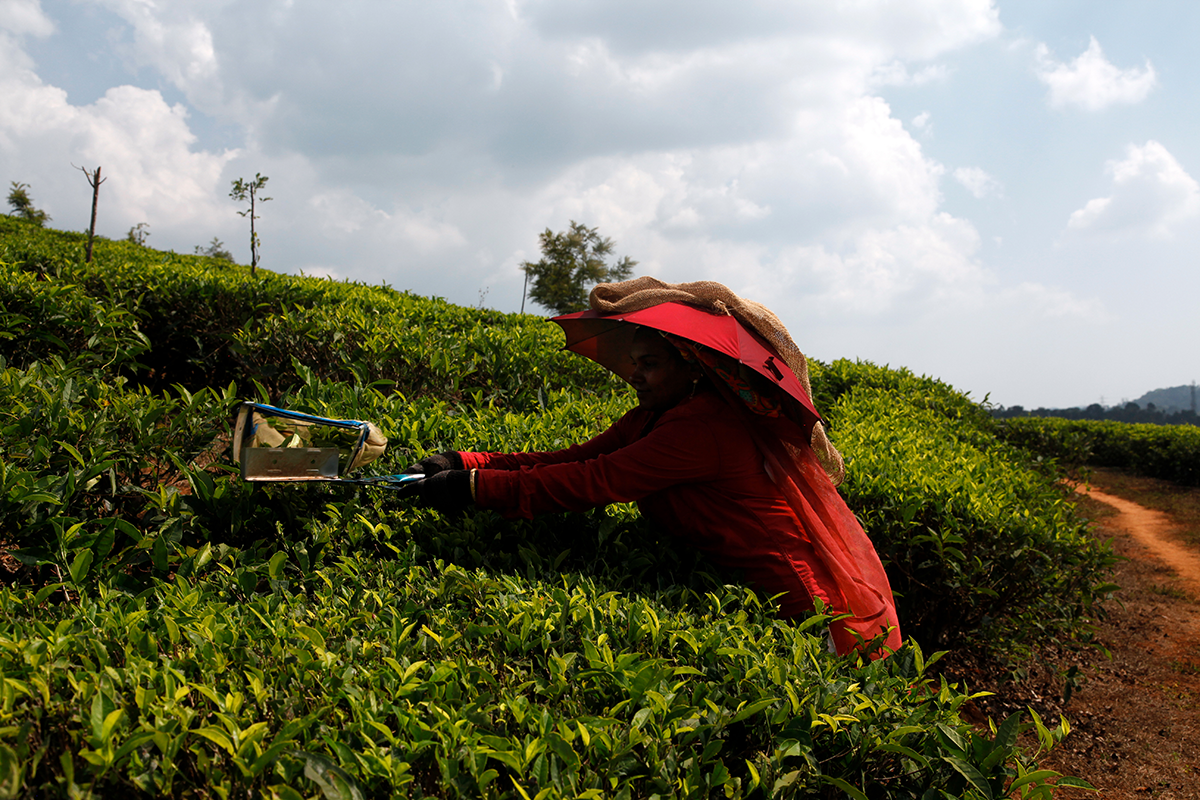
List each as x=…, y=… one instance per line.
x=607, y=338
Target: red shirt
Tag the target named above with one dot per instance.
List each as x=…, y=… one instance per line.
x=695, y=470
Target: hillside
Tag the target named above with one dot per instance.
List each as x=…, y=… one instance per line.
x=1175, y=398
x=173, y=631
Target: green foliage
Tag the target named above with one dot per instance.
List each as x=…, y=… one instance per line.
x=177, y=632
x=138, y=234
x=42, y=318
x=1168, y=452
x=980, y=548
x=571, y=262
x=833, y=381
x=91, y=473
x=394, y=679
x=22, y=205
x=207, y=325
x=216, y=249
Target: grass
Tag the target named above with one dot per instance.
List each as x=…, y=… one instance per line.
x=1169, y=591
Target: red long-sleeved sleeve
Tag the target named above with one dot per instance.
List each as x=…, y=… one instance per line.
x=624, y=431
x=617, y=466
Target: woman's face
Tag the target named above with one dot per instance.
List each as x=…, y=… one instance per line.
x=660, y=376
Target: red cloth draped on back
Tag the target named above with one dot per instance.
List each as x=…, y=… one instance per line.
x=838, y=538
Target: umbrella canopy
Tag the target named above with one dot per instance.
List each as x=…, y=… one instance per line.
x=607, y=339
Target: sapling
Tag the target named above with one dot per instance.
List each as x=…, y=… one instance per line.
x=248, y=190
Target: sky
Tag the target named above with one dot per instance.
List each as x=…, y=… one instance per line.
x=1002, y=195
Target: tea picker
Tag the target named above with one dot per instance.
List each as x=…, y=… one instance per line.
x=277, y=445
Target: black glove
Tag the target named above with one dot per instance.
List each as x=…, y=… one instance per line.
x=432, y=465
x=448, y=491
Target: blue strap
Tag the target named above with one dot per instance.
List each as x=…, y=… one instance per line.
x=402, y=481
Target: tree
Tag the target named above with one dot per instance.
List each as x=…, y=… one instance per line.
x=571, y=262
x=94, y=180
x=22, y=205
x=248, y=190
x=216, y=249
x=138, y=234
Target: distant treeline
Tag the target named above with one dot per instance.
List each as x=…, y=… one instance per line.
x=1130, y=412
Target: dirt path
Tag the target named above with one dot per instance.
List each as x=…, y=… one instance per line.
x=1154, y=530
x=1136, y=718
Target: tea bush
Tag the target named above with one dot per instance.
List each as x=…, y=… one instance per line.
x=44, y=318
x=173, y=631
x=980, y=548
x=833, y=381
x=1169, y=452
x=393, y=679
x=203, y=322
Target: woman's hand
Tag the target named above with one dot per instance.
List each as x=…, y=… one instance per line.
x=448, y=491
x=432, y=465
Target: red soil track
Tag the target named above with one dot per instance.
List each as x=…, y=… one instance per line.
x=1153, y=530
x=1136, y=718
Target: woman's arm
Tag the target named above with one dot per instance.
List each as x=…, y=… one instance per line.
x=621, y=433
x=679, y=449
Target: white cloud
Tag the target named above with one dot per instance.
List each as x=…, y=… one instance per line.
x=977, y=182
x=523, y=87
x=921, y=122
x=342, y=213
x=828, y=183
x=917, y=267
x=897, y=73
x=142, y=143
x=24, y=18
x=1151, y=196
x=174, y=39
x=1092, y=83
x=918, y=29
x=1032, y=300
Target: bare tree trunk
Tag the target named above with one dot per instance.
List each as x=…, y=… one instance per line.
x=94, y=179
x=253, y=237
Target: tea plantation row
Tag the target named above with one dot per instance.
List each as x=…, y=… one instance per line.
x=1169, y=452
x=171, y=631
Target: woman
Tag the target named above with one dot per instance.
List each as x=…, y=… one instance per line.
x=700, y=465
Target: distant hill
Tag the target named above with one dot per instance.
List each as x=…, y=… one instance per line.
x=1173, y=406
x=1179, y=398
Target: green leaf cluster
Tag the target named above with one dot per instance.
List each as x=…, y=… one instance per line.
x=207, y=326
x=397, y=679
